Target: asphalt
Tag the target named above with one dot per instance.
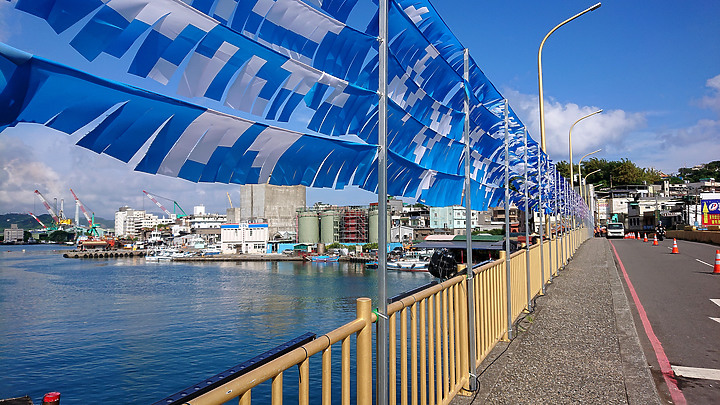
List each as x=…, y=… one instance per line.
x=579, y=345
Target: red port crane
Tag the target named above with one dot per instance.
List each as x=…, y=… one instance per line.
x=37, y=219
x=82, y=208
x=175, y=204
x=92, y=226
x=49, y=209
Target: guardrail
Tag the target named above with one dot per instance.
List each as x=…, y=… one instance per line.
x=429, y=337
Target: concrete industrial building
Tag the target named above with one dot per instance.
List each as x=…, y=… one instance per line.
x=275, y=205
x=332, y=224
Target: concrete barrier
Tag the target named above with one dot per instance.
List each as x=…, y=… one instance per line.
x=696, y=236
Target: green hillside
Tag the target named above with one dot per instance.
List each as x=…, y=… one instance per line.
x=25, y=221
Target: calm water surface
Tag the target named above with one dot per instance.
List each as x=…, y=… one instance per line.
x=127, y=331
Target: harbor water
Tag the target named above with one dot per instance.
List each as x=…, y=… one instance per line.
x=124, y=330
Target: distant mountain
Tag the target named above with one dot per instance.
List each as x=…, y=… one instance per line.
x=25, y=221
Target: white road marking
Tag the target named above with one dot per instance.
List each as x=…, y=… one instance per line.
x=694, y=372
x=715, y=319
x=715, y=301
x=707, y=264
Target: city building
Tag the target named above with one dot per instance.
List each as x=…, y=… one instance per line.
x=13, y=234
x=130, y=222
x=451, y=220
x=248, y=238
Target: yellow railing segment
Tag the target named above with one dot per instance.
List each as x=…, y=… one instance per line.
x=428, y=344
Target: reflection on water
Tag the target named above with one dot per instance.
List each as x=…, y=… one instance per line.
x=127, y=331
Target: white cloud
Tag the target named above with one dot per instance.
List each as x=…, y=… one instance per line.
x=623, y=134
x=608, y=130
x=712, y=101
x=35, y=157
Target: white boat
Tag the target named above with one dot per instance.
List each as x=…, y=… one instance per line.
x=408, y=265
x=211, y=250
x=413, y=261
x=157, y=255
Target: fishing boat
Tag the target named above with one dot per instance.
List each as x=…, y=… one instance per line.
x=408, y=265
x=324, y=258
x=157, y=255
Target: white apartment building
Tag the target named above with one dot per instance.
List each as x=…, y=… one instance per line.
x=130, y=222
x=244, y=238
x=452, y=218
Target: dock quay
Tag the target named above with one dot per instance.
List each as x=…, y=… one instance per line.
x=102, y=254
x=240, y=258
x=270, y=257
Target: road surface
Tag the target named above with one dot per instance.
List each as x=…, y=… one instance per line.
x=677, y=301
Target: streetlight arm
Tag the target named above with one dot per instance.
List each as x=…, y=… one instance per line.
x=540, y=81
x=586, y=155
x=570, y=142
x=589, y=174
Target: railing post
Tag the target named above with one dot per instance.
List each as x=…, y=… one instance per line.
x=508, y=292
x=364, y=352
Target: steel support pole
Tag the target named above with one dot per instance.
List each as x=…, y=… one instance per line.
x=556, y=211
x=508, y=284
x=549, y=231
x=542, y=230
x=382, y=328
x=468, y=232
x=527, y=224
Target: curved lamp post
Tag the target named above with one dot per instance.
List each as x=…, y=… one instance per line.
x=592, y=211
x=580, y=170
x=540, y=81
x=572, y=185
x=585, y=182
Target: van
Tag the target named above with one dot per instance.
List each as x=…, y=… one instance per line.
x=615, y=230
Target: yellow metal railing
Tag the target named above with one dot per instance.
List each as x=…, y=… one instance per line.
x=428, y=337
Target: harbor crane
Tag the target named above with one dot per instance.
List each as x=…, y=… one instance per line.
x=49, y=209
x=38, y=220
x=162, y=207
x=92, y=227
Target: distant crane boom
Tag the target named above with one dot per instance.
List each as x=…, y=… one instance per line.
x=37, y=219
x=48, y=207
x=82, y=208
x=228, y=194
x=158, y=203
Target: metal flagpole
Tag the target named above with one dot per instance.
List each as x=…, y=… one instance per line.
x=382, y=321
x=508, y=293
x=527, y=226
x=542, y=230
x=549, y=230
x=557, y=218
x=468, y=232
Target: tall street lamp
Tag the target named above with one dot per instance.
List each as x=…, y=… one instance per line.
x=584, y=181
x=572, y=186
x=587, y=196
x=540, y=81
x=580, y=170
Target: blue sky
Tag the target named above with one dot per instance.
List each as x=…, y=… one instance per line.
x=654, y=67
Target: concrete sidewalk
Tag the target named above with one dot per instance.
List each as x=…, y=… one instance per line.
x=580, y=344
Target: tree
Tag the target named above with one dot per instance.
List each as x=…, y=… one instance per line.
x=60, y=237
x=694, y=174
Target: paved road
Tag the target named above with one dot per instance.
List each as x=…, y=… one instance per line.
x=680, y=297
